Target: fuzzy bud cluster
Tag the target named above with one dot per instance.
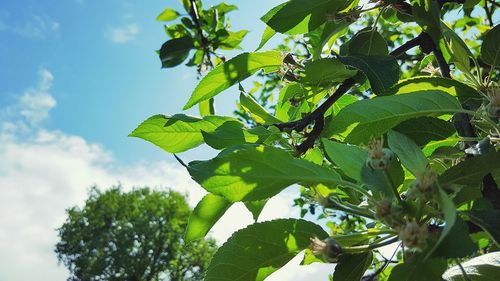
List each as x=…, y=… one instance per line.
x=388, y=213
x=329, y=248
x=414, y=235
x=423, y=186
x=378, y=156
x=493, y=108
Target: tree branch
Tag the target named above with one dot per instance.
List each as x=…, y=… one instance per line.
x=195, y=16
x=299, y=125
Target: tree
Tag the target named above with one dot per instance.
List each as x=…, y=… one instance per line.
x=135, y=236
x=387, y=115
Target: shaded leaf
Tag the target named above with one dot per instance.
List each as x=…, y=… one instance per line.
x=472, y=170
x=253, y=253
x=488, y=220
x=408, y=152
x=325, y=71
x=382, y=71
x=423, y=130
x=255, y=207
x=490, y=50
x=368, y=42
x=431, y=270
x=349, y=158
x=175, y=51
x=457, y=244
x=351, y=267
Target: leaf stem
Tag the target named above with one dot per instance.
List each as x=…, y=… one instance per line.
x=365, y=248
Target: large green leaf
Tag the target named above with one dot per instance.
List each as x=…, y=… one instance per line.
x=351, y=267
x=248, y=173
x=463, y=92
x=427, y=14
x=325, y=71
x=253, y=253
x=430, y=270
x=175, y=51
x=233, y=71
x=408, y=152
x=423, y=130
x=325, y=34
x=471, y=171
x=450, y=217
x=233, y=133
x=488, y=220
x=482, y=268
x=368, y=42
x=179, y=132
x=458, y=243
x=256, y=207
x=349, y=158
x=208, y=211
x=382, y=183
x=376, y=116
x=490, y=50
x=301, y=16
x=382, y=71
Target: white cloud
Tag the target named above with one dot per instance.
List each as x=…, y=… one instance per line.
x=44, y=172
x=123, y=34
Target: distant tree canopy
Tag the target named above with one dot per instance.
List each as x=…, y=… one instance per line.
x=134, y=236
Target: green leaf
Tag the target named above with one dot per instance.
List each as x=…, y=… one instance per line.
x=351, y=267
x=408, y=152
x=490, y=50
x=256, y=111
x=167, y=15
x=427, y=14
x=376, y=116
x=233, y=71
x=301, y=16
x=349, y=158
x=266, y=36
x=175, y=51
x=207, y=107
x=423, y=130
x=471, y=171
x=368, y=42
x=450, y=217
x=459, y=51
x=324, y=34
x=463, y=92
x=249, y=173
x=429, y=270
x=208, y=211
x=255, y=207
x=483, y=268
x=488, y=220
x=382, y=71
x=324, y=72
x=232, y=40
x=253, y=253
x=381, y=182
x=179, y=132
x=457, y=244
x=233, y=133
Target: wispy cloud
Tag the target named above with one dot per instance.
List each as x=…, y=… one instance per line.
x=123, y=34
x=31, y=26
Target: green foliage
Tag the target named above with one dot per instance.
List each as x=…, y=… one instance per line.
x=257, y=251
x=386, y=115
x=134, y=235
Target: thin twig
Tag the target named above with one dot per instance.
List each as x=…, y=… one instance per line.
x=195, y=16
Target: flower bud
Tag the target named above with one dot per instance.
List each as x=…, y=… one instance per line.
x=378, y=156
x=329, y=248
x=414, y=235
x=423, y=185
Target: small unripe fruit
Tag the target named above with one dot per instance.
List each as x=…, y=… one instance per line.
x=329, y=248
x=414, y=235
x=379, y=157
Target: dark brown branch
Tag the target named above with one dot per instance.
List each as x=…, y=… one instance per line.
x=195, y=16
x=443, y=65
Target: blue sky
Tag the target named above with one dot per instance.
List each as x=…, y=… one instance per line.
x=76, y=76
x=101, y=53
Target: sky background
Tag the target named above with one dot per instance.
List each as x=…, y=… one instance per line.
x=76, y=76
